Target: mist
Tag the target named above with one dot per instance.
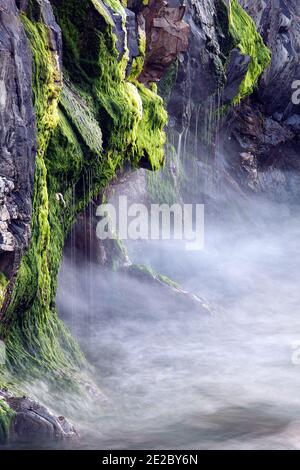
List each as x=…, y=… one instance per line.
x=173, y=377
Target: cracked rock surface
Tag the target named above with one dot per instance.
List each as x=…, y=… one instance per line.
x=17, y=131
x=34, y=422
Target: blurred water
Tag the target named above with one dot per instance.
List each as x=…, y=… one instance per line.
x=176, y=378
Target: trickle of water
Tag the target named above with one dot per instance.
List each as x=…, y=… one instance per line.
x=179, y=145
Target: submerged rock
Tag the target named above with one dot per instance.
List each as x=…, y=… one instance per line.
x=169, y=289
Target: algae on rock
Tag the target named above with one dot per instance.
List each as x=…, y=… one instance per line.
x=249, y=41
x=33, y=335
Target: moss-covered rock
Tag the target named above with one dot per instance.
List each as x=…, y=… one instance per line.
x=3, y=286
x=131, y=116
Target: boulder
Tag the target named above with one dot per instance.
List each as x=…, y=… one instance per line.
x=167, y=36
x=33, y=422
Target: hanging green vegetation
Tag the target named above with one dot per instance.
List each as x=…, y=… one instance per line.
x=87, y=129
x=249, y=41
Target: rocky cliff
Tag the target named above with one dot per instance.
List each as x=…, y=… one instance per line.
x=264, y=130
x=209, y=83
x=74, y=111
x=231, y=112
x=18, y=139
x=80, y=105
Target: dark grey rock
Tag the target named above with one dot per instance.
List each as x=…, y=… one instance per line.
x=132, y=37
x=235, y=72
x=17, y=126
x=278, y=22
x=201, y=69
x=268, y=124
x=265, y=125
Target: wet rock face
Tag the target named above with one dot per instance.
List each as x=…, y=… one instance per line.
x=132, y=37
x=17, y=126
x=267, y=125
x=17, y=132
x=201, y=68
x=235, y=71
x=44, y=12
x=34, y=422
x=167, y=35
x=279, y=25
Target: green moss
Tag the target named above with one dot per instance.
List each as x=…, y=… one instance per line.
x=116, y=5
x=249, y=41
x=129, y=114
x=35, y=339
x=6, y=417
x=81, y=119
x=98, y=122
x=151, y=136
x=169, y=282
x=138, y=62
x=145, y=272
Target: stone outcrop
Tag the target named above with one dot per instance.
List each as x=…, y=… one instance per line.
x=62, y=143
x=201, y=68
x=17, y=115
x=17, y=135
x=236, y=69
x=167, y=36
x=267, y=125
x=278, y=22
x=76, y=136
x=165, y=33
x=18, y=127
x=31, y=422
